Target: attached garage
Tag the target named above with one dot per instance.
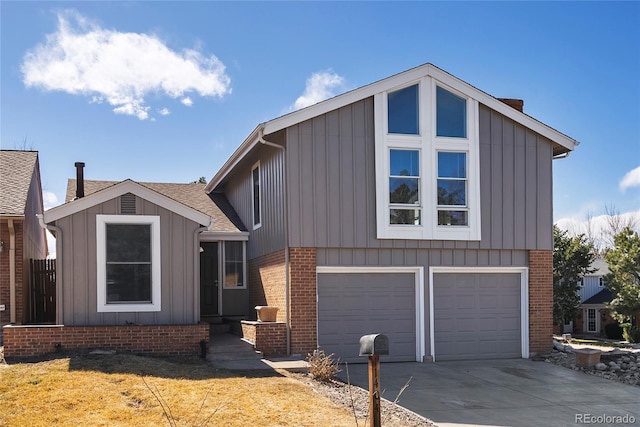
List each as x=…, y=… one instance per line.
x=358, y=301
x=479, y=314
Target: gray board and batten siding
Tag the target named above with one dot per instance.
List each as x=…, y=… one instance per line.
x=78, y=255
x=331, y=180
x=269, y=237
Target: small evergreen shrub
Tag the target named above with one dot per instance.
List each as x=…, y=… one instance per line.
x=631, y=333
x=321, y=366
x=613, y=331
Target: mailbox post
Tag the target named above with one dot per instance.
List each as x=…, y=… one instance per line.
x=374, y=346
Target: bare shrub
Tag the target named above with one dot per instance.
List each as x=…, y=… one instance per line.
x=322, y=366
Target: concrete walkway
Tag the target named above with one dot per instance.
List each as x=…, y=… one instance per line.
x=511, y=392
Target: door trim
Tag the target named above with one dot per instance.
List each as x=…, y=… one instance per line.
x=524, y=300
x=417, y=271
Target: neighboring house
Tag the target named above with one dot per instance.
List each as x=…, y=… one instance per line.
x=418, y=207
x=21, y=237
x=594, y=296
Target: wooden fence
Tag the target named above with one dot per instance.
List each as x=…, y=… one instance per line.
x=43, y=291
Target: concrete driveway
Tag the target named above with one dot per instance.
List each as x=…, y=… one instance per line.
x=514, y=392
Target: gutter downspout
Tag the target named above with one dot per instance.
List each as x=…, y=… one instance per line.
x=287, y=281
x=12, y=271
x=196, y=271
x=57, y=232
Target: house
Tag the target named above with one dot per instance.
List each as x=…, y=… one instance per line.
x=418, y=207
x=594, y=296
x=21, y=238
x=128, y=269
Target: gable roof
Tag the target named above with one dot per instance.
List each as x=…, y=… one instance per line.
x=562, y=143
x=16, y=171
x=601, y=297
x=188, y=200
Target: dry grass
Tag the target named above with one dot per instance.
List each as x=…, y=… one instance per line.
x=102, y=390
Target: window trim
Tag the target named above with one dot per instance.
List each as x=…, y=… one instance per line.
x=256, y=225
x=223, y=249
x=101, y=260
x=429, y=144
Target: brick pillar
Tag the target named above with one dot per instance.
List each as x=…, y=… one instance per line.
x=540, y=301
x=302, y=268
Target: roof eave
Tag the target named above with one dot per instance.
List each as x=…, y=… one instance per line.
x=116, y=190
x=235, y=158
x=566, y=143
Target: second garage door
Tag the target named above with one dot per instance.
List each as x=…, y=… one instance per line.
x=477, y=316
x=354, y=304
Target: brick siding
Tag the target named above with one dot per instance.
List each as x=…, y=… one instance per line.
x=27, y=341
x=267, y=282
x=540, y=301
x=268, y=337
x=20, y=271
x=302, y=267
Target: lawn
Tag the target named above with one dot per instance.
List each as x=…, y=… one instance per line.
x=119, y=389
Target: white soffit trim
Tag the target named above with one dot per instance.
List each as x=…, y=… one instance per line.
x=235, y=158
x=380, y=86
x=215, y=236
x=116, y=190
x=409, y=76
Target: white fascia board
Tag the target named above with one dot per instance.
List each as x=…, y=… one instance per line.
x=215, y=236
x=407, y=77
x=236, y=157
x=401, y=79
x=119, y=189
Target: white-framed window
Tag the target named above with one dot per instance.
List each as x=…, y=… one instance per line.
x=256, y=200
x=128, y=263
x=234, y=264
x=427, y=163
x=592, y=320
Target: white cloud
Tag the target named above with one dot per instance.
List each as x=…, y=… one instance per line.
x=599, y=226
x=187, y=101
x=81, y=58
x=631, y=179
x=320, y=86
x=164, y=112
x=49, y=200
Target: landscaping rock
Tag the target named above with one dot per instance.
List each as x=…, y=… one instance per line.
x=613, y=367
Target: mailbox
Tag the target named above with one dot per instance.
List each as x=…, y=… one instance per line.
x=374, y=344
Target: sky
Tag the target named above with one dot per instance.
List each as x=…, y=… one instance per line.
x=166, y=91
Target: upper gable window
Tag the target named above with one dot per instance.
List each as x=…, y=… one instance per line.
x=256, y=202
x=451, y=113
x=403, y=109
x=427, y=163
x=128, y=263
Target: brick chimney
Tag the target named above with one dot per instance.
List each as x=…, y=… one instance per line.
x=518, y=104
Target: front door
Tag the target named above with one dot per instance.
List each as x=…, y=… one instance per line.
x=209, y=279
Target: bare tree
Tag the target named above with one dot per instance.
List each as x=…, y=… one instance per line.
x=616, y=223
x=24, y=145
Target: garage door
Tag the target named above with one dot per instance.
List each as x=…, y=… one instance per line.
x=354, y=304
x=476, y=316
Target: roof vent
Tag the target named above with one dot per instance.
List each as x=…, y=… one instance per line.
x=128, y=204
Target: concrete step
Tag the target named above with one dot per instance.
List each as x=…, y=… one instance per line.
x=230, y=347
x=219, y=328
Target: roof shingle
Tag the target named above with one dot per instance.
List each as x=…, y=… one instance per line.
x=16, y=172
x=191, y=195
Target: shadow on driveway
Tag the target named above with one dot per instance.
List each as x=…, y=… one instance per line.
x=514, y=392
